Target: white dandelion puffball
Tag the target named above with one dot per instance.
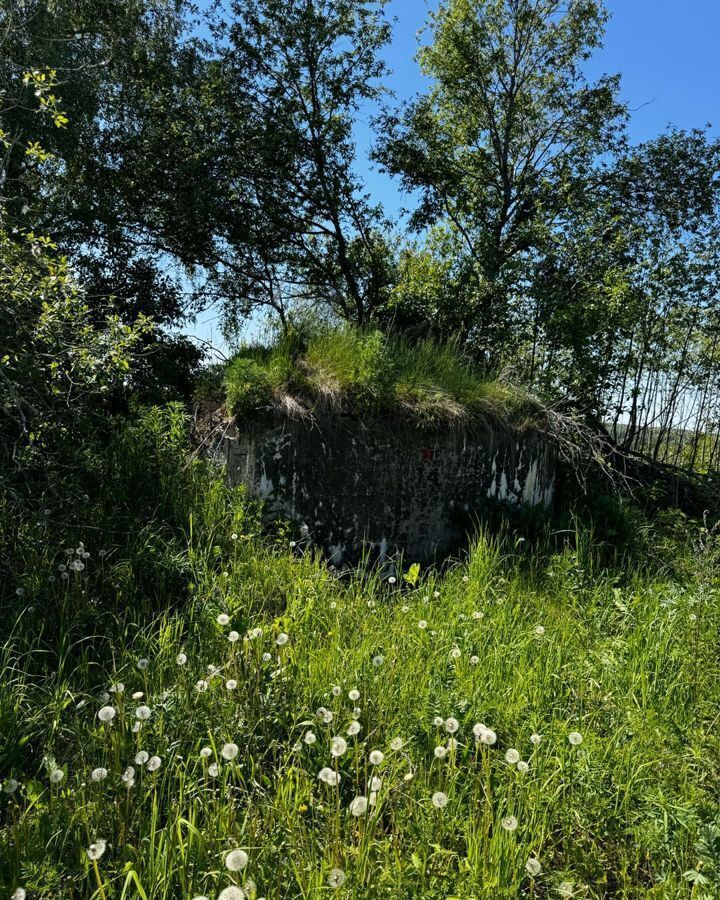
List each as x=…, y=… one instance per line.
x=329, y=776
x=236, y=860
x=354, y=728
x=338, y=746
x=106, y=714
x=333, y=604
x=422, y=624
x=138, y=695
x=512, y=756
x=539, y=630
x=455, y=653
x=575, y=738
x=452, y=744
x=234, y=637
x=375, y=783
x=231, y=684
x=440, y=752
x=309, y=738
x=488, y=737
x=396, y=743
x=96, y=850
x=439, y=800
x=282, y=639
x=201, y=686
x=117, y=688
x=223, y=619
x=533, y=867
x=232, y=892
x=141, y=757
x=213, y=670
x=474, y=660
x=11, y=785
x=154, y=763
x=451, y=725
x=437, y=721
x=522, y=767
x=142, y=664
x=255, y=633
x=19, y=894
x=509, y=823
x=565, y=889
x=535, y=738
x=336, y=878
x=99, y=774
x=137, y=726
x=266, y=657
x=103, y=697
x=478, y=614
x=128, y=775
x=206, y=752
x=143, y=713
x=376, y=757
x=181, y=659
x=56, y=776
x=354, y=695
x=336, y=690
x=358, y=806
x=229, y=751
x=213, y=770
x=378, y=661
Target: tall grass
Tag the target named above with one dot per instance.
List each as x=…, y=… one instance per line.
x=548, y=645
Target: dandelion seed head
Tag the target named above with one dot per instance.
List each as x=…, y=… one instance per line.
x=330, y=777
x=539, y=630
x=451, y=725
x=338, y=746
x=106, y=714
x=231, y=684
x=474, y=660
x=282, y=639
x=229, y=751
x=337, y=690
x=206, y=752
x=438, y=721
x=138, y=695
x=181, y=659
x=10, y=785
x=234, y=637
x=512, y=756
x=535, y=738
x=128, y=775
x=440, y=752
x=309, y=737
x=99, y=774
x=232, y=892
x=154, y=763
x=358, y=806
x=439, y=800
x=533, y=867
x=19, y=894
x=575, y=738
x=422, y=624
x=354, y=695
x=141, y=757
x=509, y=823
x=56, y=776
x=566, y=889
x=455, y=653
x=375, y=783
x=117, y=688
x=201, y=686
x=354, y=728
x=376, y=757
x=223, y=619
x=142, y=664
x=266, y=657
x=378, y=660
x=143, y=713
x=96, y=849
x=396, y=743
x=522, y=767
x=236, y=860
x=213, y=770
x=336, y=878
x=478, y=614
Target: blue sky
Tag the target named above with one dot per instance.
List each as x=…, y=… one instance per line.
x=667, y=52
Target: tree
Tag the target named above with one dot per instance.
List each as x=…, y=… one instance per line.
x=508, y=130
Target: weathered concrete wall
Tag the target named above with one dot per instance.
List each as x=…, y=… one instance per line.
x=355, y=488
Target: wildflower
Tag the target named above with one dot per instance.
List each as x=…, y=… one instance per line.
x=478, y=614
x=213, y=670
x=201, y=686
x=96, y=850
x=103, y=697
x=136, y=727
x=422, y=624
x=11, y=785
x=375, y=783
x=309, y=738
x=396, y=743
x=533, y=867
x=451, y=725
x=142, y=664
x=358, y=806
x=206, y=752
x=141, y=757
x=455, y=653
x=19, y=894
x=143, y=713
x=509, y=823
x=213, y=770
x=128, y=776
x=535, y=738
x=575, y=738
x=154, y=763
x=118, y=688
x=329, y=776
x=439, y=800
x=229, y=751
x=452, y=744
x=474, y=660
x=223, y=619
x=232, y=892
x=437, y=721
x=106, y=714
x=354, y=728
x=338, y=746
x=539, y=630
x=336, y=878
x=231, y=684
x=378, y=661
x=523, y=767
x=99, y=774
x=333, y=604
x=282, y=639
x=255, y=633
x=266, y=657
x=376, y=757
x=565, y=889
x=440, y=752
x=56, y=776
x=327, y=716
x=436, y=594
x=181, y=659
x=337, y=690
x=354, y=695
x=512, y=756
x=236, y=860
x=138, y=695
x=392, y=579
x=234, y=637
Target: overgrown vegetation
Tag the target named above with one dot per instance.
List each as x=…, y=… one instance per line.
x=368, y=372
x=173, y=685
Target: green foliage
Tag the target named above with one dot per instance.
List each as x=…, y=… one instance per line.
x=624, y=657
x=357, y=370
